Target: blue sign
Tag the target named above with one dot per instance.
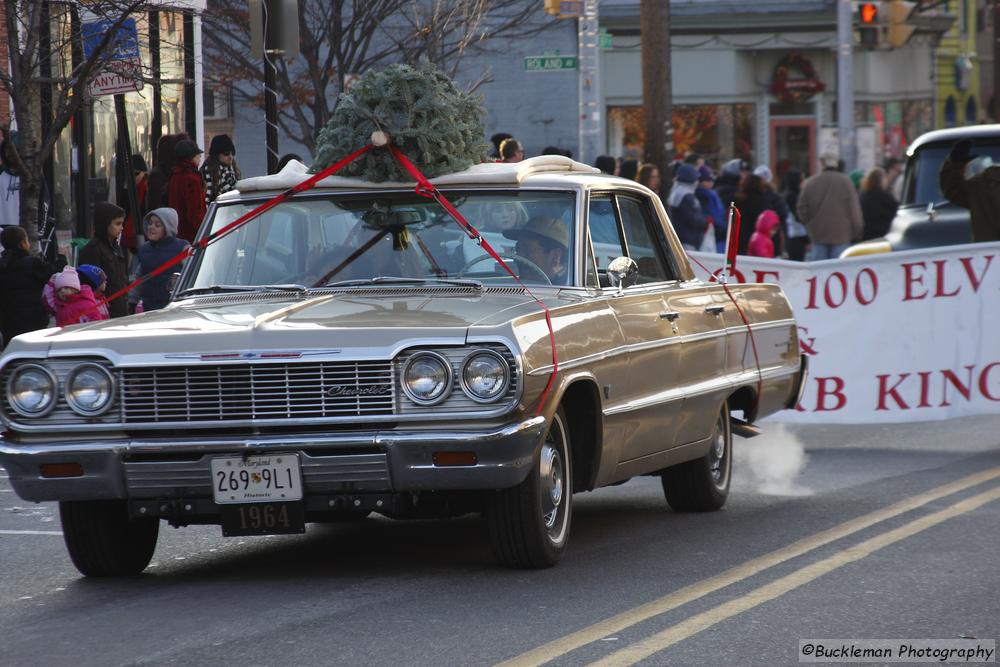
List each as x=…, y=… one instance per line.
x=123, y=46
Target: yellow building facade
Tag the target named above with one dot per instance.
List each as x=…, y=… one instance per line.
x=956, y=69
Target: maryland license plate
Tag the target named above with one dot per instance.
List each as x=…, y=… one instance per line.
x=256, y=479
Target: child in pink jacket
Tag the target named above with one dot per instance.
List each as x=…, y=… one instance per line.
x=70, y=301
x=761, y=244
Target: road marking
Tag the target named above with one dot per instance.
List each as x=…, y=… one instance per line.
x=30, y=532
x=695, y=624
x=626, y=619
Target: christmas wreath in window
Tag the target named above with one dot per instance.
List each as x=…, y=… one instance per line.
x=799, y=89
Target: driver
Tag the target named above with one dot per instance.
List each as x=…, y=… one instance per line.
x=544, y=242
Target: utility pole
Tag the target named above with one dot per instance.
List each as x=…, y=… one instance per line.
x=657, y=101
x=590, y=91
x=845, y=84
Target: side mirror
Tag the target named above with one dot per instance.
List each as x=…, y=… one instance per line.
x=623, y=272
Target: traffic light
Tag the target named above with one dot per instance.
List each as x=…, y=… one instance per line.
x=899, y=30
x=869, y=26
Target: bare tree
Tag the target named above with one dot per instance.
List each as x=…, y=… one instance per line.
x=344, y=38
x=45, y=48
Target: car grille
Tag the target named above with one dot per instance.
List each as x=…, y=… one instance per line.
x=257, y=391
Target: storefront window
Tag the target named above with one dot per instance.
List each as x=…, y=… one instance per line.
x=719, y=132
x=172, y=72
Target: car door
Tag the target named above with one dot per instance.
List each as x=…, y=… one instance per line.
x=643, y=411
x=696, y=382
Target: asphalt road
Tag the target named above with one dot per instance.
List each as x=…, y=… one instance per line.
x=830, y=532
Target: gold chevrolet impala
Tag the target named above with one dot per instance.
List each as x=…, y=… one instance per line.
x=353, y=350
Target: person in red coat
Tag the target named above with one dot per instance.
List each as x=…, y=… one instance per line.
x=187, y=192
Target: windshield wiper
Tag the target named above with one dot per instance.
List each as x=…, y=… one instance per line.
x=395, y=280
x=219, y=289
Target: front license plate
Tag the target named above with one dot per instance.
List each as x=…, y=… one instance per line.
x=263, y=519
x=256, y=479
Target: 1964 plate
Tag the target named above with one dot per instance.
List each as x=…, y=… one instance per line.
x=256, y=479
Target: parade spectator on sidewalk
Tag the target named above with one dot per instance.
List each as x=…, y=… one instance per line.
x=97, y=280
x=684, y=210
x=830, y=210
x=712, y=207
x=629, y=168
x=894, y=177
x=105, y=252
x=22, y=276
x=71, y=301
x=187, y=193
x=796, y=236
x=974, y=183
x=511, y=150
x=10, y=187
x=729, y=180
x=649, y=175
x=220, y=172
x=286, y=158
x=756, y=195
x=878, y=206
x=140, y=173
x=159, y=178
x=497, y=139
x=762, y=240
x=607, y=164
x=161, y=245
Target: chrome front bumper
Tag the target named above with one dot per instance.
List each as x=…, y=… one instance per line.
x=383, y=461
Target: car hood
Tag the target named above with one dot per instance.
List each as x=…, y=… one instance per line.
x=273, y=322
x=913, y=228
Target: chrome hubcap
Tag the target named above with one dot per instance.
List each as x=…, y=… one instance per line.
x=718, y=454
x=551, y=481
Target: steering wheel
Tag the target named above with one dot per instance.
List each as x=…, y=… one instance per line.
x=522, y=264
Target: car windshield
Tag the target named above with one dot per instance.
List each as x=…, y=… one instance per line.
x=384, y=237
x=921, y=185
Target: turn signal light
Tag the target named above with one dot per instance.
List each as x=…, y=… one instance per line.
x=61, y=470
x=455, y=459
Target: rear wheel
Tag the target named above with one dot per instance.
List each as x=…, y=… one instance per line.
x=529, y=523
x=702, y=485
x=103, y=541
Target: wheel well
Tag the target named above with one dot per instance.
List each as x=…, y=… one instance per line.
x=582, y=405
x=744, y=399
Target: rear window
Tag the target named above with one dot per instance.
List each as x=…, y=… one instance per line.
x=921, y=185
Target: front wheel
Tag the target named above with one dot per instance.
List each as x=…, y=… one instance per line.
x=103, y=541
x=702, y=485
x=529, y=523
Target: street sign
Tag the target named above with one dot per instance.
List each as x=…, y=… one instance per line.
x=117, y=77
x=549, y=63
x=123, y=46
x=122, y=71
x=605, y=41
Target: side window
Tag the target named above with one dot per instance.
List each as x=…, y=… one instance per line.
x=604, y=234
x=643, y=241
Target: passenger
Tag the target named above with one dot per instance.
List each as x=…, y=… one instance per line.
x=544, y=242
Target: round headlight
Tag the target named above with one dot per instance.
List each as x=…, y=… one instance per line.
x=31, y=390
x=426, y=378
x=485, y=376
x=89, y=389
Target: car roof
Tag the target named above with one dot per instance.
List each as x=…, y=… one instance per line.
x=953, y=134
x=545, y=170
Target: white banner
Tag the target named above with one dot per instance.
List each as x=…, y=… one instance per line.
x=896, y=337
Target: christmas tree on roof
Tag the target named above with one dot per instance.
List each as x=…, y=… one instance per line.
x=437, y=126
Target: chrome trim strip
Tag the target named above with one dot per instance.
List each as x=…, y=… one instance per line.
x=701, y=388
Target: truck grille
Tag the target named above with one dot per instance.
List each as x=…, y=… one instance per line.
x=257, y=391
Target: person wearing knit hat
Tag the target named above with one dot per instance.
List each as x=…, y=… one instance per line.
x=220, y=172
x=161, y=245
x=186, y=193
x=73, y=302
x=684, y=209
x=105, y=251
x=93, y=276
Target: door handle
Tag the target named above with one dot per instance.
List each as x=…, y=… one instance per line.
x=669, y=315
x=715, y=310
